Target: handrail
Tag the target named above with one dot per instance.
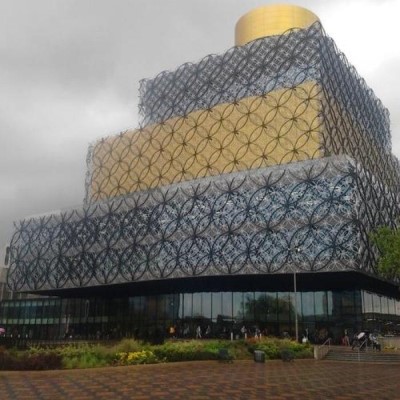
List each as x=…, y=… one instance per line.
x=319, y=351
x=326, y=341
x=364, y=342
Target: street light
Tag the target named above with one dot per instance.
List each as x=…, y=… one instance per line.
x=296, y=322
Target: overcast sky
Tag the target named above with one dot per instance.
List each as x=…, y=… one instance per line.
x=70, y=71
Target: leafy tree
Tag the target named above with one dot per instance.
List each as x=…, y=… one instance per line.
x=387, y=241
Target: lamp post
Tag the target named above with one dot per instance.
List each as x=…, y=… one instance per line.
x=296, y=321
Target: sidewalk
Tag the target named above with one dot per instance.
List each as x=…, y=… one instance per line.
x=301, y=379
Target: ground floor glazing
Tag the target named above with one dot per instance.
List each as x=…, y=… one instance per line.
x=212, y=314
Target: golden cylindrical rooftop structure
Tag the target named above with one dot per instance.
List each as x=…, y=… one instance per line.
x=271, y=20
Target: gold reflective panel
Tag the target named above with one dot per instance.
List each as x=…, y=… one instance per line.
x=279, y=127
x=271, y=20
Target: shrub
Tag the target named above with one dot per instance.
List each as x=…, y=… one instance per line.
x=40, y=361
x=273, y=348
x=36, y=360
x=127, y=346
x=130, y=351
x=187, y=351
x=86, y=356
x=137, y=357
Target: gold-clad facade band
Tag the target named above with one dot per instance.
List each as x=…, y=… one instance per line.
x=271, y=20
x=280, y=127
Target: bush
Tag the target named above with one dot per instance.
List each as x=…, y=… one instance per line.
x=187, y=351
x=137, y=357
x=36, y=360
x=86, y=356
x=273, y=348
x=128, y=345
x=130, y=351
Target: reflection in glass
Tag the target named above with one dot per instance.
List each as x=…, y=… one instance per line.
x=376, y=302
x=391, y=306
x=272, y=306
x=238, y=312
x=227, y=304
x=206, y=305
x=197, y=306
x=398, y=307
x=261, y=307
x=187, y=305
x=216, y=305
x=321, y=304
x=367, y=302
x=384, y=305
x=248, y=305
x=307, y=304
x=284, y=306
x=272, y=312
x=347, y=303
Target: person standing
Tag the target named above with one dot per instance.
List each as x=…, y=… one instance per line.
x=243, y=330
x=208, y=331
x=198, y=332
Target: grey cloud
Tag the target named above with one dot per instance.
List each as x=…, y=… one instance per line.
x=69, y=73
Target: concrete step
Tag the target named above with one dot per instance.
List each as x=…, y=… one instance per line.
x=363, y=356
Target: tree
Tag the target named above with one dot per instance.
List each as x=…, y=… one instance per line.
x=387, y=241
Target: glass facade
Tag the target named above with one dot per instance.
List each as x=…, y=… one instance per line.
x=222, y=314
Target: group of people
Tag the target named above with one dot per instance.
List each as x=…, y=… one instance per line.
x=206, y=332
x=362, y=340
x=256, y=333
x=185, y=332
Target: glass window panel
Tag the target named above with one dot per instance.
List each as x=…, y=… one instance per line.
x=181, y=305
x=248, y=305
x=376, y=301
x=150, y=309
x=392, y=306
x=384, y=305
x=272, y=306
x=397, y=307
x=295, y=306
x=197, y=305
x=173, y=306
x=238, y=306
x=216, y=305
x=227, y=304
x=367, y=302
x=307, y=304
x=261, y=306
x=187, y=305
x=321, y=304
x=38, y=310
x=26, y=310
x=347, y=302
x=206, y=305
x=136, y=307
x=357, y=303
x=162, y=304
x=283, y=306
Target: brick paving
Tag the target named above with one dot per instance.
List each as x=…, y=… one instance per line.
x=302, y=379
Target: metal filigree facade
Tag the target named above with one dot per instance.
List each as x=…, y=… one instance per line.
x=257, y=222
x=272, y=157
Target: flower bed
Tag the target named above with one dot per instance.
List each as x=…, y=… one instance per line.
x=131, y=352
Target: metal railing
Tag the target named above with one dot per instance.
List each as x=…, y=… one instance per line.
x=363, y=344
x=322, y=350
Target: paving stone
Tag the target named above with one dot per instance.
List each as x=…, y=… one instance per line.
x=306, y=379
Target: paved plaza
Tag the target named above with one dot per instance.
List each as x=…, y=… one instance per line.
x=302, y=379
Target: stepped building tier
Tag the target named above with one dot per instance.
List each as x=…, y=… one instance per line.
x=271, y=159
